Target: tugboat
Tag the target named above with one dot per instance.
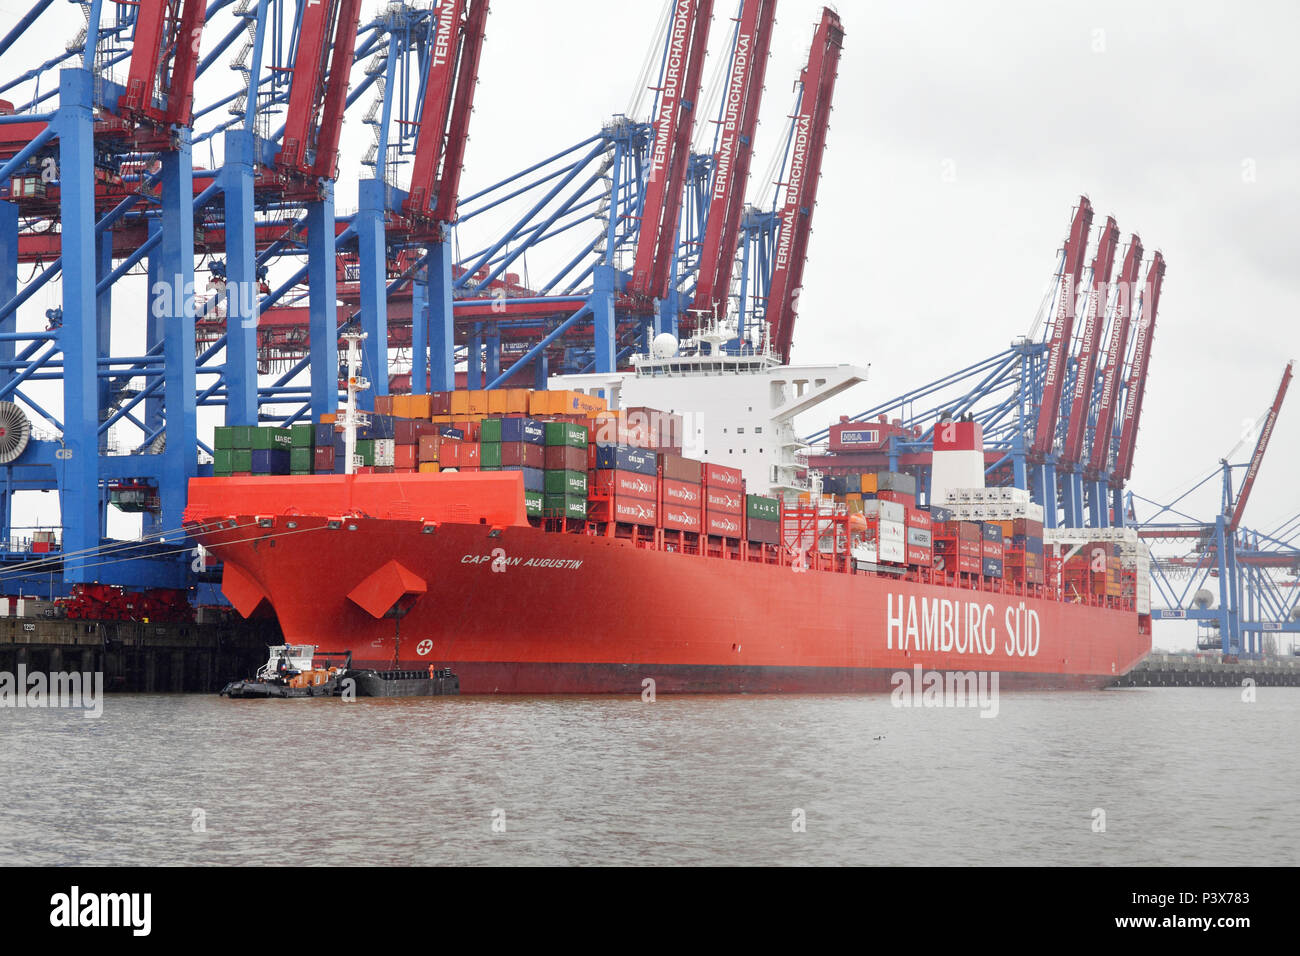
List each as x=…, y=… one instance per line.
x=291, y=671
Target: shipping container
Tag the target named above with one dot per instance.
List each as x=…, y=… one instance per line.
x=565, y=433
x=723, y=501
x=534, y=478
x=566, y=483
x=720, y=476
x=723, y=525
x=895, y=481
x=762, y=508
x=608, y=483
x=428, y=448
x=522, y=453
x=564, y=458
x=676, y=517
x=638, y=511
x=681, y=493
x=763, y=532
x=490, y=455
x=623, y=458
x=681, y=469
x=534, y=502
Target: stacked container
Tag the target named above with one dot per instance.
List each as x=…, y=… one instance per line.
x=624, y=484
x=887, y=526
x=724, y=499
x=920, y=538
x=991, y=550
x=564, y=461
x=762, y=519
x=681, y=493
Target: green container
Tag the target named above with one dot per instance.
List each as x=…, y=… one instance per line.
x=533, y=503
x=490, y=431
x=223, y=438
x=242, y=437
x=567, y=506
x=302, y=436
x=566, y=433
x=764, y=509
x=268, y=437
x=300, y=460
x=489, y=468
x=566, y=483
x=366, y=449
x=489, y=453
x=223, y=462
x=242, y=460
x=299, y=471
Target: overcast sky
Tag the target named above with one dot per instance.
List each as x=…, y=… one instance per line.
x=962, y=136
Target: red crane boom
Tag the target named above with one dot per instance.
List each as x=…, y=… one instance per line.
x=1103, y=264
x=445, y=112
x=1115, y=358
x=1261, y=446
x=657, y=238
x=317, y=90
x=811, y=124
x=1137, y=376
x=1076, y=243
x=735, y=151
x=164, y=59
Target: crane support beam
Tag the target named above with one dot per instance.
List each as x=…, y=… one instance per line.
x=1261, y=446
x=1081, y=395
x=1111, y=372
x=735, y=152
x=808, y=145
x=164, y=61
x=1137, y=380
x=1058, y=354
x=688, y=38
x=314, y=90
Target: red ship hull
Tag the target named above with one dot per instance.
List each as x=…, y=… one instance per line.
x=446, y=571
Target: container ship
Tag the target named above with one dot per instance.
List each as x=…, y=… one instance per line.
x=607, y=537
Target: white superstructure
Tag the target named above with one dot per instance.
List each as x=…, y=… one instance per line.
x=737, y=410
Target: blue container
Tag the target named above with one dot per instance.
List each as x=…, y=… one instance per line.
x=940, y=514
x=523, y=430
x=381, y=426
x=262, y=464
x=534, y=478
x=446, y=431
x=991, y=532
x=622, y=458
x=992, y=568
x=1027, y=543
x=340, y=464
x=324, y=435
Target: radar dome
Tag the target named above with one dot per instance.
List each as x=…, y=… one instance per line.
x=1204, y=598
x=664, y=345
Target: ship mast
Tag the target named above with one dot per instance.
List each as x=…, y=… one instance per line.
x=352, y=417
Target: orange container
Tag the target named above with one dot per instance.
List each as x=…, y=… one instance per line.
x=459, y=403
x=498, y=401
x=428, y=467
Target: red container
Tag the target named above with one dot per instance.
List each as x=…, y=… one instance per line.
x=681, y=469
x=469, y=455
x=970, y=549
x=564, y=458
x=624, y=509
x=449, y=453
x=763, y=532
x=404, y=457
x=677, y=518
x=681, y=493
x=969, y=531
x=993, y=549
x=897, y=497
x=723, y=501
x=968, y=565
x=719, y=476
x=722, y=525
x=440, y=402
x=323, y=457
x=623, y=484
x=523, y=453
x=922, y=557
x=917, y=518
x=428, y=448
